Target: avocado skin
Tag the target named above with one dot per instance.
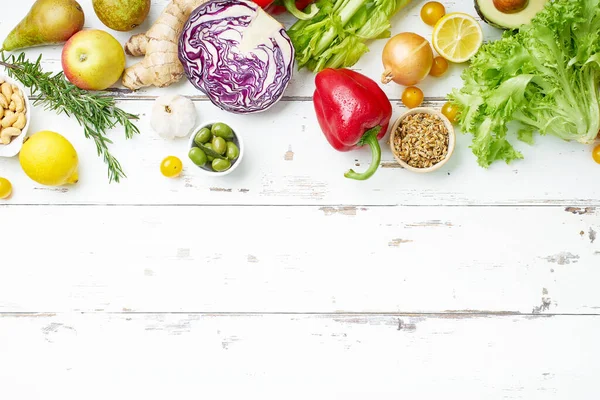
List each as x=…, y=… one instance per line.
x=533, y=4
x=483, y=17
x=122, y=15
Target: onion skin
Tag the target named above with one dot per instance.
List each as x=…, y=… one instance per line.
x=407, y=59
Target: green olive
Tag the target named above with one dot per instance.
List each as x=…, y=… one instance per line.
x=197, y=156
x=220, y=164
x=222, y=130
x=232, y=151
x=203, y=136
x=209, y=158
x=219, y=145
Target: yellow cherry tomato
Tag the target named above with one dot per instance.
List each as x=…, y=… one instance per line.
x=171, y=167
x=412, y=97
x=596, y=154
x=5, y=188
x=432, y=12
x=451, y=112
x=439, y=66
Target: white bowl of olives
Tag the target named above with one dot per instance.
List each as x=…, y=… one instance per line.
x=216, y=148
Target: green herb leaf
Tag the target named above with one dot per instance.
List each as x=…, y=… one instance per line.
x=96, y=112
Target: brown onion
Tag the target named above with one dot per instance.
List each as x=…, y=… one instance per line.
x=407, y=59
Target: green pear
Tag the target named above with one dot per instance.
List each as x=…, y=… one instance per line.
x=121, y=15
x=48, y=22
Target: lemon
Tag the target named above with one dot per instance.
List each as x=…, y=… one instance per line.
x=5, y=188
x=457, y=37
x=50, y=159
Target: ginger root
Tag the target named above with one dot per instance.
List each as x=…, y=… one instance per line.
x=161, y=66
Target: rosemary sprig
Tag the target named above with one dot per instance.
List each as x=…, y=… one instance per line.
x=94, y=111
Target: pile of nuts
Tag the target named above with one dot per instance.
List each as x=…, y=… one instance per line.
x=12, y=112
x=421, y=140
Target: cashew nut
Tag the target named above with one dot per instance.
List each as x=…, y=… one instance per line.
x=9, y=119
x=3, y=101
x=20, y=122
x=1, y=113
x=16, y=89
x=7, y=133
x=19, y=103
x=6, y=90
x=12, y=106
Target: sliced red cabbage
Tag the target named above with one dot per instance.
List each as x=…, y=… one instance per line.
x=237, y=54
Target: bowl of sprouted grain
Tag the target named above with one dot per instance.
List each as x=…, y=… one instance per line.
x=422, y=139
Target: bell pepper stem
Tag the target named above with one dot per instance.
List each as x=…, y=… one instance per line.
x=370, y=138
x=290, y=5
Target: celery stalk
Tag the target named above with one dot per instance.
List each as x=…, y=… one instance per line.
x=335, y=37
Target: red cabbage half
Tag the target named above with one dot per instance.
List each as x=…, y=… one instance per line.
x=237, y=54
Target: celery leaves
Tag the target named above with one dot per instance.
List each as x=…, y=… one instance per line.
x=335, y=36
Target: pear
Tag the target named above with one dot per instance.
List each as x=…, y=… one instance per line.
x=121, y=15
x=48, y=22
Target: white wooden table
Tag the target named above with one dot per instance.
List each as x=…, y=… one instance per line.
x=286, y=280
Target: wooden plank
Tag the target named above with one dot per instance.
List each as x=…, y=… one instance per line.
x=300, y=259
x=191, y=356
x=302, y=83
x=292, y=163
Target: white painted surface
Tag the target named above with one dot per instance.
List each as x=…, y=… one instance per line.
x=192, y=356
x=286, y=280
x=301, y=259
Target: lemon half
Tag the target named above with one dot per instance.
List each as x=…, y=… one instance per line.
x=457, y=37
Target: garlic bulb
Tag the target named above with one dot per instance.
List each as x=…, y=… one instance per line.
x=173, y=116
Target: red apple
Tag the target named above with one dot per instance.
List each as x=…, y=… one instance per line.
x=93, y=59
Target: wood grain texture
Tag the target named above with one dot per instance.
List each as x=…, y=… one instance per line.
x=191, y=356
x=288, y=161
x=300, y=259
x=285, y=280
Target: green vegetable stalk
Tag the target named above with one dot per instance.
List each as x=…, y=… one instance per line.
x=545, y=77
x=335, y=36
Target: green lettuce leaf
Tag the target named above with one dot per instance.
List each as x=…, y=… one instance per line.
x=545, y=77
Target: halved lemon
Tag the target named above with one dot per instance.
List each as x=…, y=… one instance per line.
x=457, y=37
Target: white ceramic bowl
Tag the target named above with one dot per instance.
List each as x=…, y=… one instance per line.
x=237, y=139
x=451, y=138
x=13, y=148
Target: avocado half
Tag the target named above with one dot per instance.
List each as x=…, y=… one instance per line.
x=490, y=14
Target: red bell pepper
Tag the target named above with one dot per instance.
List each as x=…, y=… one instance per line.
x=352, y=110
x=292, y=7
x=264, y=4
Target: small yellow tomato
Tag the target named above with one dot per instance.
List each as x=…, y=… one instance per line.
x=451, y=112
x=432, y=12
x=5, y=188
x=412, y=97
x=596, y=154
x=439, y=66
x=171, y=167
